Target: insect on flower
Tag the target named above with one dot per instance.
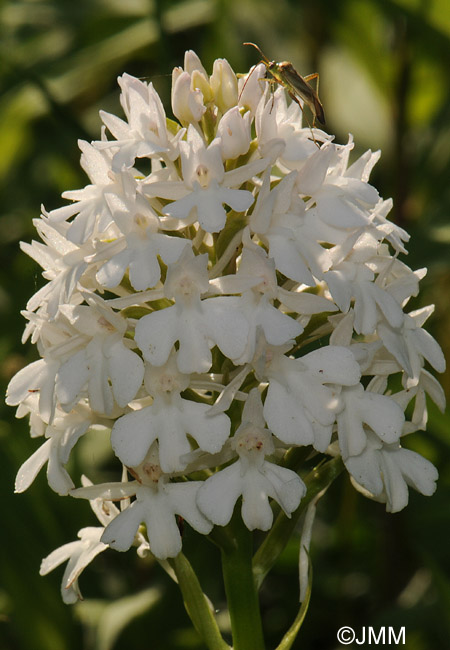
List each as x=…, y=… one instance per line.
x=287, y=76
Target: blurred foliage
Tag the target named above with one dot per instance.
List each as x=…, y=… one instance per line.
x=384, y=78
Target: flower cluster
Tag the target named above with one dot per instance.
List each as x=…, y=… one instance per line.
x=243, y=298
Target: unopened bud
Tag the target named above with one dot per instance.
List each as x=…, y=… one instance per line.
x=192, y=63
x=200, y=82
x=224, y=85
x=251, y=88
x=234, y=132
x=187, y=104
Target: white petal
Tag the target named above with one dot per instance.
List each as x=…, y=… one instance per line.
x=288, y=259
x=58, y=556
x=430, y=349
x=239, y=175
x=71, y=379
x=194, y=354
x=61, y=214
x=418, y=472
x=83, y=225
x=173, y=443
x=227, y=327
x=31, y=467
x=119, y=534
x=58, y=478
x=145, y=271
x=106, y=491
x=322, y=436
x=238, y=200
x=75, y=429
x=366, y=471
x=336, y=210
x=289, y=488
x=256, y=510
x=181, y=208
x=340, y=288
x=183, y=497
x=396, y=345
x=85, y=559
x=334, y=364
x=162, y=530
x=319, y=402
x=383, y=415
x=111, y=273
x=217, y=496
x=313, y=174
x=352, y=438
x=170, y=248
x=126, y=371
x=209, y=431
x=366, y=314
x=72, y=594
x=306, y=303
x=388, y=305
x=155, y=335
x=395, y=485
x=278, y=327
x=117, y=127
x=132, y=435
x=433, y=388
x=210, y=212
x=27, y=379
x=286, y=417
x=253, y=409
x=99, y=389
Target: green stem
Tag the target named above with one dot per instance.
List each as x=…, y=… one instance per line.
x=197, y=605
x=267, y=554
x=242, y=595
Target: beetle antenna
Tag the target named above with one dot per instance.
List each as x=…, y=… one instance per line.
x=264, y=57
x=245, y=82
x=264, y=60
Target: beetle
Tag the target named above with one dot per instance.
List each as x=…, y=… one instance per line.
x=287, y=76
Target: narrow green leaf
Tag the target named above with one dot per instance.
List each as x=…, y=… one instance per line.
x=291, y=634
x=269, y=551
x=197, y=604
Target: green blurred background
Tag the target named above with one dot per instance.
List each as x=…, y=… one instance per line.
x=384, y=73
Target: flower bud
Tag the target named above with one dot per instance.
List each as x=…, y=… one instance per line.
x=192, y=63
x=187, y=104
x=200, y=82
x=234, y=132
x=251, y=88
x=224, y=85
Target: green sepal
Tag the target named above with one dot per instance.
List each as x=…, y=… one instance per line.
x=135, y=312
x=162, y=303
x=172, y=126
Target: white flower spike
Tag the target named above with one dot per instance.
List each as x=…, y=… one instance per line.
x=233, y=257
